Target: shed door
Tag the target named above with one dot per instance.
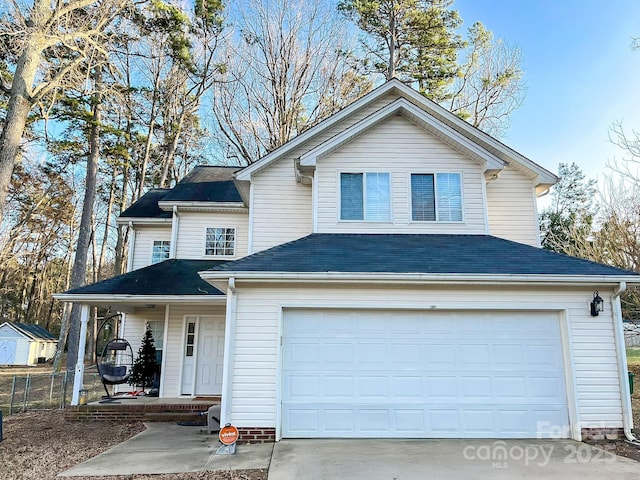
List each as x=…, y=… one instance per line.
x=356, y=373
x=7, y=352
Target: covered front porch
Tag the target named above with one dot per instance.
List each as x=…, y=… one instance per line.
x=186, y=316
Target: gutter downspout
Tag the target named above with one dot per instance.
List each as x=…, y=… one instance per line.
x=175, y=222
x=627, y=418
x=229, y=341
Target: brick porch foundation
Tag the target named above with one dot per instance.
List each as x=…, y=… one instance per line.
x=256, y=435
x=139, y=412
x=600, y=433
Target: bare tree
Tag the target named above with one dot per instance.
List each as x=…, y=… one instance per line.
x=490, y=85
x=286, y=71
x=51, y=42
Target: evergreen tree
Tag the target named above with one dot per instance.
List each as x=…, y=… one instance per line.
x=412, y=40
x=568, y=221
x=145, y=366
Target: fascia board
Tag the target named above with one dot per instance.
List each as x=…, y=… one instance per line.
x=544, y=175
x=204, y=206
x=387, y=278
x=246, y=173
x=87, y=299
x=433, y=125
x=142, y=220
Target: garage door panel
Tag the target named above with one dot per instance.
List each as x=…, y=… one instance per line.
x=351, y=379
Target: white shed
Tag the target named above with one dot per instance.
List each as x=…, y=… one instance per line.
x=25, y=344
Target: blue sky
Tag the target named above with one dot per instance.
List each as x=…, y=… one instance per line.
x=580, y=70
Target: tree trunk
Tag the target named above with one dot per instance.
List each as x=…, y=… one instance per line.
x=17, y=112
x=79, y=273
x=107, y=224
x=171, y=151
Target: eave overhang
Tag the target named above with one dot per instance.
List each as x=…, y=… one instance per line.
x=214, y=207
x=220, y=279
x=127, y=303
x=143, y=221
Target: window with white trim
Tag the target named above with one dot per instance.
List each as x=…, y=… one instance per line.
x=436, y=197
x=365, y=196
x=220, y=242
x=160, y=251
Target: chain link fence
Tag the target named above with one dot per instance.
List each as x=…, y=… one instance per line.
x=48, y=390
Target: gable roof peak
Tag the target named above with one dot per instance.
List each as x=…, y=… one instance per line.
x=494, y=147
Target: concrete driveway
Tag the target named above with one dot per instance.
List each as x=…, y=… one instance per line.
x=446, y=459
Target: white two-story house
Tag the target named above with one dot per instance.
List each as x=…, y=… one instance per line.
x=379, y=275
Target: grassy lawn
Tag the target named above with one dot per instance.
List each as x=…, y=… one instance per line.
x=633, y=356
x=633, y=359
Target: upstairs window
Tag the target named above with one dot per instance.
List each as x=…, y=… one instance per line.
x=365, y=196
x=160, y=251
x=436, y=197
x=220, y=242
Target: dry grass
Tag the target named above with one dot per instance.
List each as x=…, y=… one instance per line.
x=39, y=445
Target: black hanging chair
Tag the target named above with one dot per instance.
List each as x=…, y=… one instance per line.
x=115, y=364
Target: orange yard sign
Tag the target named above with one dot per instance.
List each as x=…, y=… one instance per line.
x=228, y=434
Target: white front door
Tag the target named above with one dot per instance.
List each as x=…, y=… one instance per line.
x=376, y=373
x=7, y=352
x=203, y=355
x=210, y=356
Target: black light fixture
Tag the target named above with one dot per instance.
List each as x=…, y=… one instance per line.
x=597, y=304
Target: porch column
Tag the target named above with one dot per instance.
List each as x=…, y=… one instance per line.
x=82, y=341
x=229, y=340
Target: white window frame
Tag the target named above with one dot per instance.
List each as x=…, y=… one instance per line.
x=364, y=196
x=435, y=191
x=153, y=244
x=235, y=241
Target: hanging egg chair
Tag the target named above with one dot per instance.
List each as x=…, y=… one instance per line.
x=115, y=363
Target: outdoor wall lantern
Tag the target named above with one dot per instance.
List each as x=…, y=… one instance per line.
x=597, y=304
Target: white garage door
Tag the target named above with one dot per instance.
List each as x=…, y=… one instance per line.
x=355, y=373
x=7, y=352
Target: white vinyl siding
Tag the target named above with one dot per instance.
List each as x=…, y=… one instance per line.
x=192, y=232
x=258, y=330
x=143, y=243
x=282, y=208
x=511, y=207
x=401, y=148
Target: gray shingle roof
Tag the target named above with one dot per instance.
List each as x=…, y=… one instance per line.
x=147, y=206
x=407, y=253
x=34, y=331
x=203, y=184
x=206, y=184
x=171, y=277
